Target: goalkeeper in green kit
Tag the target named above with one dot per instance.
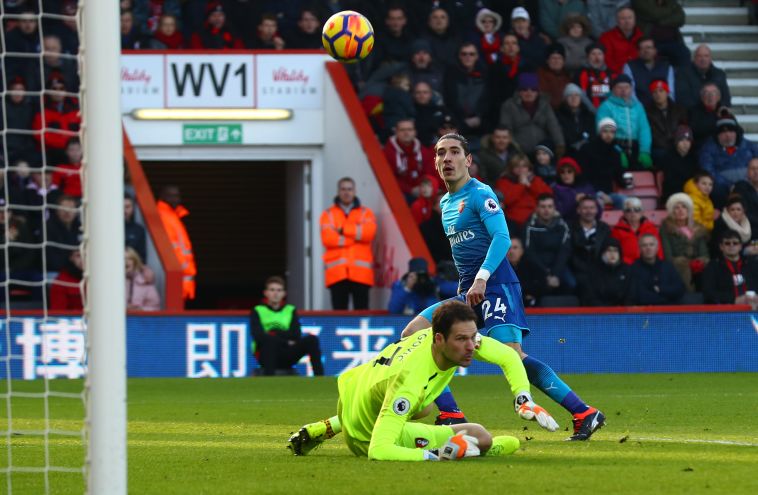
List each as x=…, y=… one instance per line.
x=378, y=399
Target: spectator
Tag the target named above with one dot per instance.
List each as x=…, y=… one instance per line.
x=68, y=176
x=661, y=20
x=415, y=291
x=141, y=294
x=532, y=45
x=748, y=190
x=533, y=282
x=398, y=102
x=496, y=150
x=654, y=281
x=167, y=36
x=466, y=91
x=67, y=29
x=24, y=263
x=394, y=43
x=699, y=188
x=610, y=279
x=685, y=242
x=54, y=61
x=602, y=14
x=347, y=231
x=595, y=77
x=443, y=42
x=603, y=163
x=553, y=76
x=423, y=206
x=575, y=38
x=66, y=288
x=729, y=277
x=148, y=13
x=267, y=35
x=278, y=340
x=726, y=156
x=59, y=121
x=664, y=117
x=24, y=38
x=20, y=109
x=428, y=113
x=134, y=233
x=487, y=38
x=307, y=33
x=215, y=34
x=172, y=214
x=704, y=115
x=530, y=117
x=630, y=229
x=570, y=188
x=544, y=162
x=503, y=75
x=621, y=41
x=408, y=158
x=39, y=191
x=691, y=77
x=679, y=165
x=547, y=245
x=554, y=12
x=63, y=229
x=588, y=236
x=423, y=68
x=646, y=69
x=576, y=117
x=633, y=130
x=131, y=39
x=520, y=189
x=733, y=218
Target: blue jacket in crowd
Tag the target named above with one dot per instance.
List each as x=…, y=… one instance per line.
x=630, y=118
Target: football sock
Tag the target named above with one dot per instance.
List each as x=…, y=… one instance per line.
x=544, y=378
x=333, y=426
x=446, y=402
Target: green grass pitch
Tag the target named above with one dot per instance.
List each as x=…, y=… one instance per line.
x=686, y=433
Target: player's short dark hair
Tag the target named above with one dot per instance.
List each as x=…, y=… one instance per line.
x=449, y=313
x=457, y=137
x=275, y=279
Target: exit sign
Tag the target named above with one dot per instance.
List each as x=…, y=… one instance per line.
x=212, y=134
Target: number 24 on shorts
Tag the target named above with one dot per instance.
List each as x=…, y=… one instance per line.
x=499, y=308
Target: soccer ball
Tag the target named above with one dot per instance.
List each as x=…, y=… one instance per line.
x=348, y=36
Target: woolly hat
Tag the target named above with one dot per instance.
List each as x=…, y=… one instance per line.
x=546, y=146
x=726, y=120
x=683, y=131
x=213, y=7
x=606, y=122
x=659, y=84
x=555, y=48
x=528, y=80
x=520, y=13
x=488, y=13
x=572, y=89
x=621, y=78
x=594, y=46
x=421, y=45
x=567, y=161
x=676, y=198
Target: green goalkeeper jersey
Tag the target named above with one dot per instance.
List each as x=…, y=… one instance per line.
x=380, y=396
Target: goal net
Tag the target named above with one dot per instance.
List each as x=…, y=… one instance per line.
x=52, y=243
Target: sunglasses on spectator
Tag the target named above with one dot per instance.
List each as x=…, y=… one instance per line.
x=730, y=243
x=632, y=210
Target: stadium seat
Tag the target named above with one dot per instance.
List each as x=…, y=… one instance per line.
x=656, y=216
x=558, y=302
x=648, y=202
x=611, y=217
x=644, y=179
x=659, y=177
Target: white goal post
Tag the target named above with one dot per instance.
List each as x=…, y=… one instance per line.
x=104, y=243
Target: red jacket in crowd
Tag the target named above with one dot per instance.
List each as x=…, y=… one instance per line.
x=68, y=178
x=618, y=48
x=409, y=162
x=520, y=200
x=628, y=238
x=58, y=116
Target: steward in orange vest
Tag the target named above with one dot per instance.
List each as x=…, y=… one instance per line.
x=347, y=230
x=171, y=213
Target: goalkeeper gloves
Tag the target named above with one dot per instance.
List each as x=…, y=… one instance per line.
x=459, y=446
x=528, y=410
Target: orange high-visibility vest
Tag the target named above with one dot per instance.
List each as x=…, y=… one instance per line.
x=180, y=241
x=347, y=239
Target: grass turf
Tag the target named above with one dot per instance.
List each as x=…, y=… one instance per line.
x=688, y=433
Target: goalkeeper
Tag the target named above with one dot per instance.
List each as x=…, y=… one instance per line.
x=378, y=399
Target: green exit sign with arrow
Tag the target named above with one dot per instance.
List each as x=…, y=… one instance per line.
x=212, y=134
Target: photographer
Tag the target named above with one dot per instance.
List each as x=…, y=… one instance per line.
x=415, y=291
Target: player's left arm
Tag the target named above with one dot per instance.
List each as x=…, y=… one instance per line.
x=493, y=219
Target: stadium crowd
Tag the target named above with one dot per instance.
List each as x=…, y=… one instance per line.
x=607, y=141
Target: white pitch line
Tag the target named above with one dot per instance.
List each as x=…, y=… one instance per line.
x=694, y=440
